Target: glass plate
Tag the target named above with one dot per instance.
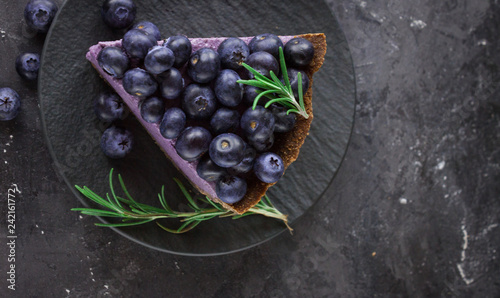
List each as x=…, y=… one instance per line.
x=68, y=85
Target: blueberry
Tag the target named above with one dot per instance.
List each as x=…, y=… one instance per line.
x=172, y=83
x=262, y=142
x=9, y=104
x=258, y=123
x=233, y=52
x=227, y=150
x=231, y=189
x=227, y=89
x=263, y=63
x=118, y=14
x=172, y=123
x=198, y=101
x=250, y=93
x=208, y=170
x=150, y=28
x=39, y=14
x=294, y=81
x=203, y=65
x=27, y=65
x=266, y=42
x=114, y=61
x=139, y=82
x=181, y=46
x=246, y=163
x=109, y=107
x=268, y=167
x=193, y=142
x=159, y=59
x=137, y=43
x=152, y=109
x=225, y=120
x=283, y=122
x=116, y=142
x=298, y=52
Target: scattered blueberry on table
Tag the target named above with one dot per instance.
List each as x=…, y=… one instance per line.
x=9, y=104
x=27, y=65
x=39, y=14
x=116, y=142
x=118, y=14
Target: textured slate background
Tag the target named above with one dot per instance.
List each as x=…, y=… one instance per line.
x=414, y=210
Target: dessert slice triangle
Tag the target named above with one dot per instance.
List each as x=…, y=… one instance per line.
x=286, y=145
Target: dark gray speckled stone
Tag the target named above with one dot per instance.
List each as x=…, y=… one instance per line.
x=412, y=212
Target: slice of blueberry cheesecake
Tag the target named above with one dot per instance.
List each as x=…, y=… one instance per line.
x=230, y=113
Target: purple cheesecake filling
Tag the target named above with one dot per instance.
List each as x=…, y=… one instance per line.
x=168, y=146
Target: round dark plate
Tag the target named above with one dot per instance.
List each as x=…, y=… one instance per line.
x=68, y=84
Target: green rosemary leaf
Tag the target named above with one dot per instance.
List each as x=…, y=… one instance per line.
x=94, y=197
x=142, y=207
x=299, y=91
x=257, y=75
x=192, y=203
x=218, y=207
x=279, y=100
x=163, y=202
x=258, y=97
x=113, y=190
x=138, y=210
x=255, y=83
x=167, y=229
x=187, y=226
x=284, y=71
x=273, y=86
x=283, y=89
x=112, y=204
x=124, y=224
x=122, y=184
x=138, y=213
x=131, y=200
x=265, y=200
x=97, y=212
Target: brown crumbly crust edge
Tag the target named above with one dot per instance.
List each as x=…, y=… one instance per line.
x=287, y=145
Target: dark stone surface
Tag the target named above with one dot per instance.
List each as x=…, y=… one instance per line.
x=414, y=210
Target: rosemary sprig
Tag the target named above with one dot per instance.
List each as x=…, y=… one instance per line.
x=275, y=90
x=134, y=213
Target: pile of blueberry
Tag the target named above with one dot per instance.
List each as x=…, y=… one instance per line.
x=38, y=15
x=207, y=111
